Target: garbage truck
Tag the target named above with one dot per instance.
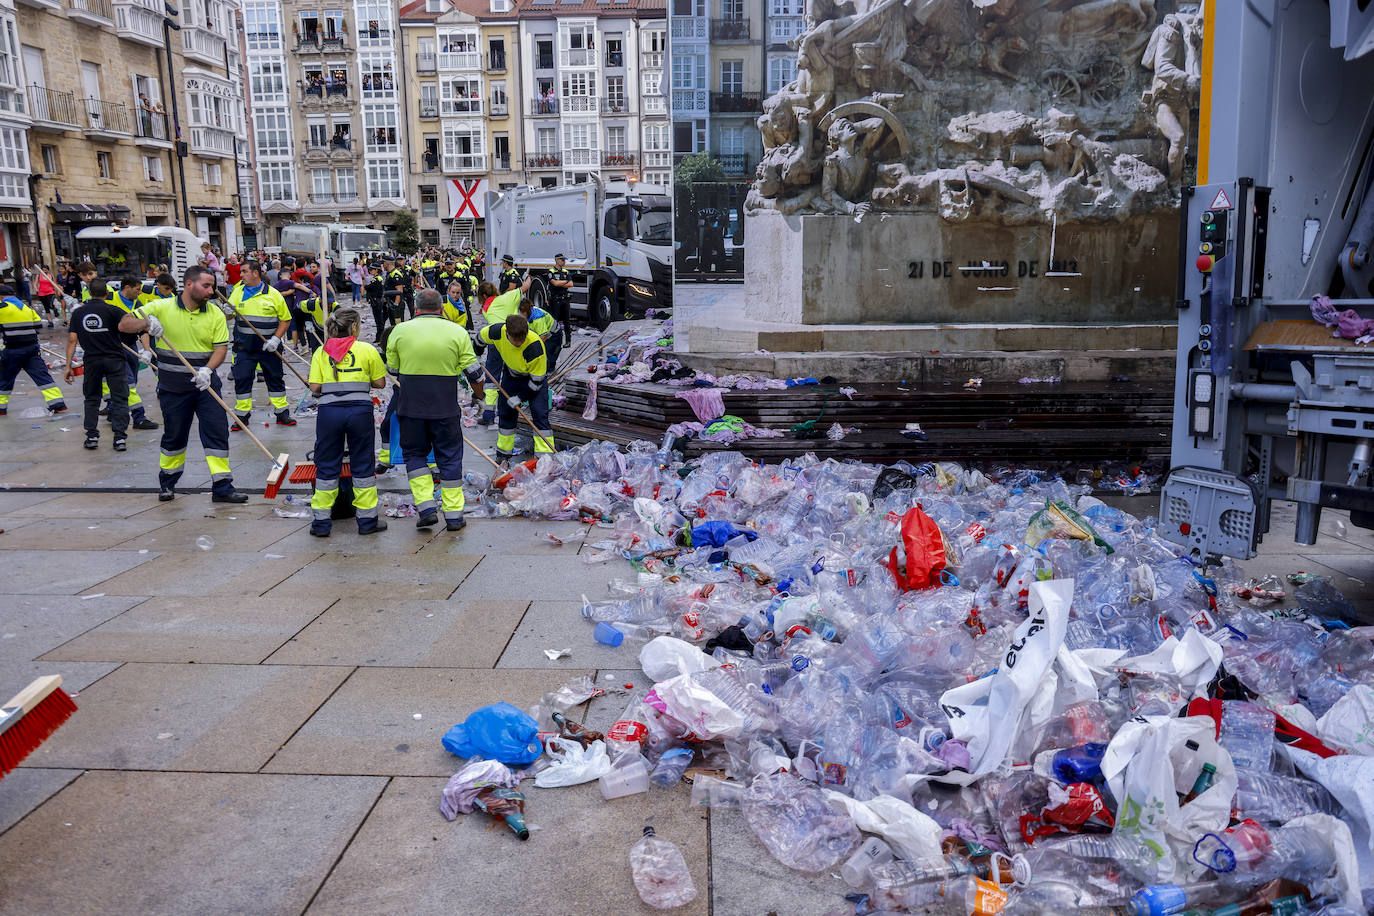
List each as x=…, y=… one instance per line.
x=340, y=243
x=617, y=239
x=118, y=251
x=1274, y=394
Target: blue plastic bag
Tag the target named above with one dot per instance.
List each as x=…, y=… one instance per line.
x=496, y=732
x=716, y=533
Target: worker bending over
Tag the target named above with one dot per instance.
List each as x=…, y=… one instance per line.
x=524, y=376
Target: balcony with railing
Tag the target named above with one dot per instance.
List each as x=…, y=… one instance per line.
x=52, y=110
x=651, y=60
x=429, y=108
x=580, y=158
x=544, y=105
x=689, y=100
x=580, y=104
x=342, y=200
x=543, y=160
x=429, y=161
x=457, y=108
x=202, y=45
x=106, y=119
x=455, y=163
x=618, y=159
x=690, y=28
x=737, y=102
x=460, y=60
x=426, y=62
x=212, y=142
x=499, y=109
x=496, y=62
x=500, y=163
x=616, y=106
x=138, y=22
x=91, y=12
x=730, y=29
x=318, y=93
x=576, y=57
x=150, y=128
x=734, y=163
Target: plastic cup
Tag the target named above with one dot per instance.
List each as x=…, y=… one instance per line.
x=608, y=635
x=629, y=776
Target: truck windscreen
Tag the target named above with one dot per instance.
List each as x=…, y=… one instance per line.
x=120, y=256
x=654, y=226
x=363, y=241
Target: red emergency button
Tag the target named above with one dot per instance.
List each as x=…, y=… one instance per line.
x=1204, y=263
x=1185, y=529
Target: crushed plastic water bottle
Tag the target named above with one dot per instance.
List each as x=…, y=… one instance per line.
x=291, y=506
x=205, y=543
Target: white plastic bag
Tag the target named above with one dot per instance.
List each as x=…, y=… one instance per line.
x=698, y=709
x=1347, y=778
x=573, y=764
x=1139, y=768
x=1192, y=660
x=667, y=656
x=987, y=713
x=911, y=834
x=1349, y=724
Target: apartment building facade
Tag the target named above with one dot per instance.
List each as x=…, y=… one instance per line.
x=719, y=73
x=18, y=225
x=113, y=136
x=324, y=89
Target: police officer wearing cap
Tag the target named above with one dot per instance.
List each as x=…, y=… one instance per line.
x=560, y=301
x=510, y=277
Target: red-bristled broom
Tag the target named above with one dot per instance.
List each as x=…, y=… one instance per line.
x=30, y=717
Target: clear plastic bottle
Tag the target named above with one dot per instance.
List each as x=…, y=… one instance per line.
x=1247, y=734
x=670, y=767
x=967, y=895
x=631, y=730
x=1273, y=799
x=660, y=873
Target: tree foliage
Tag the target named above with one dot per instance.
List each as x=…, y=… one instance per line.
x=407, y=232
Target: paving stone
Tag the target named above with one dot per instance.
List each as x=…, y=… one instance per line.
x=368, y=727
x=576, y=861
x=749, y=881
x=205, y=572
x=401, y=538
x=530, y=578
x=417, y=634
x=228, y=533
x=602, y=712
x=9, y=523
x=207, y=630
x=560, y=625
x=76, y=533
x=30, y=625
x=512, y=537
x=70, y=473
x=222, y=718
x=26, y=789
x=11, y=501
x=67, y=572
x=155, y=843
x=432, y=577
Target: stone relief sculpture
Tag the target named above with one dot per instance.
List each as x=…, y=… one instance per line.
x=1008, y=110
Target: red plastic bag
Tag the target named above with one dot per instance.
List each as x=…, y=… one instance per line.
x=925, y=552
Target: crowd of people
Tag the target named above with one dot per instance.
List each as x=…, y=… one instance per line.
x=437, y=327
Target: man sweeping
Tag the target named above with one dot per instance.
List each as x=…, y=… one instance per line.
x=524, y=377
x=201, y=334
x=261, y=310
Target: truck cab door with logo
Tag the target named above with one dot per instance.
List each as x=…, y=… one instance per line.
x=616, y=236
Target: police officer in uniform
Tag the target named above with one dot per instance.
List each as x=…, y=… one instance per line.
x=428, y=354
x=376, y=298
x=560, y=305
x=201, y=334
x=264, y=309
x=400, y=291
x=524, y=376
x=510, y=277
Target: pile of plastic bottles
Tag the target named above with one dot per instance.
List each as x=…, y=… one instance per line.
x=975, y=693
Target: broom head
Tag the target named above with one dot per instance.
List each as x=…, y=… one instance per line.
x=30, y=717
x=277, y=477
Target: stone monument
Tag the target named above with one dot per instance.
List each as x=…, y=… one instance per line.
x=971, y=162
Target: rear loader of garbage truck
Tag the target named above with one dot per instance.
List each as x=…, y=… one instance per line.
x=616, y=239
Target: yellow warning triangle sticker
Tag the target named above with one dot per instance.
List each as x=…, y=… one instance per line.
x=1221, y=201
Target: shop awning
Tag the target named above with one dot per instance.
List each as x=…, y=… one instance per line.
x=77, y=213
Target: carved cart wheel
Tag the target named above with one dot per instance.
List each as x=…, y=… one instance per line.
x=1062, y=86
x=1105, y=80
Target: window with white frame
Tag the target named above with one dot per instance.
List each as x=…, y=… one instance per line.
x=379, y=129
x=378, y=80
x=731, y=77
x=732, y=141
x=578, y=89
x=615, y=94
x=11, y=88
x=688, y=72
x=781, y=71
x=434, y=6
x=267, y=80
x=464, y=146
x=374, y=24
x=501, y=6
x=276, y=182
x=262, y=25
x=429, y=100
x=152, y=168
x=211, y=174
x=384, y=181
x=318, y=132
x=346, y=181
x=500, y=103
x=781, y=31
x=104, y=165
x=272, y=130
x=546, y=141
x=334, y=25
x=664, y=179
x=321, y=188
x=732, y=9
x=429, y=200
x=577, y=44
x=615, y=141
x=460, y=49
x=460, y=95
x=579, y=144
x=657, y=152
x=655, y=41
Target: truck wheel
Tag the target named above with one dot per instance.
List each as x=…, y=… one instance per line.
x=539, y=295
x=604, y=309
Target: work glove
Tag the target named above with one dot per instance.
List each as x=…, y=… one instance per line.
x=272, y=344
x=154, y=327
x=203, y=376
x=146, y=355
x=514, y=402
